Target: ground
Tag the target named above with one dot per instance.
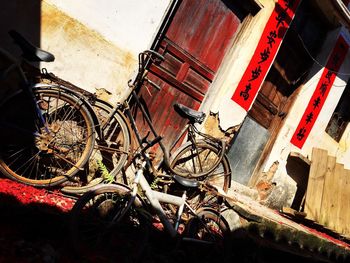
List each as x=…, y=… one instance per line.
x=34, y=228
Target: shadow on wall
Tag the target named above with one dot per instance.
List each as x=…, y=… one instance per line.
x=23, y=16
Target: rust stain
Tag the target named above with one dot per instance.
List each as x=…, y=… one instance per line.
x=53, y=19
x=64, y=32
x=212, y=127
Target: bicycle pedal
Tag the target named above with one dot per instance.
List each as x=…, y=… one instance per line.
x=158, y=225
x=181, y=229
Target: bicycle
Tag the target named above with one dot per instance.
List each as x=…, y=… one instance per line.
x=112, y=146
x=196, y=158
x=51, y=137
x=109, y=212
x=113, y=220
x=93, y=109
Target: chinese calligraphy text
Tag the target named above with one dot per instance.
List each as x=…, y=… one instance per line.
x=321, y=92
x=265, y=52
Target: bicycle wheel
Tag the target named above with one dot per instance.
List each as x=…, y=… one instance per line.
x=197, y=162
x=102, y=228
x=46, y=152
x=208, y=226
x=109, y=155
x=212, y=231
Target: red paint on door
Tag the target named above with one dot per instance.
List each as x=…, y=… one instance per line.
x=193, y=46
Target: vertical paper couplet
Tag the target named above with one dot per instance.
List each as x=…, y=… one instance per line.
x=321, y=92
x=267, y=48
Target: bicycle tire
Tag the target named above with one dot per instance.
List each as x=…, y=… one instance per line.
x=46, y=157
x=211, y=229
x=101, y=161
x=200, y=226
x=220, y=177
x=93, y=233
x=185, y=160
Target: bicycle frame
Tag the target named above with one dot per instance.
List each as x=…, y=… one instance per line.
x=132, y=95
x=155, y=198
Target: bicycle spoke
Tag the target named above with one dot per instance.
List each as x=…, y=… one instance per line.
x=22, y=162
x=60, y=148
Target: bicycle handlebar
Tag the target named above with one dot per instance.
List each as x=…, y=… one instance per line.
x=151, y=54
x=152, y=83
x=145, y=58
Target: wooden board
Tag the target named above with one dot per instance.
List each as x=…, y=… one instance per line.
x=334, y=198
x=314, y=191
x=345, y=203
x=327, y=192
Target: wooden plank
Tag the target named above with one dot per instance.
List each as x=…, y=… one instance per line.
x=333, y=185
x=315, y=185
x=340, y=205
x=346, y=203
x=327, y=192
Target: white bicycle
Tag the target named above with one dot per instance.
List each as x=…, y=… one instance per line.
x=113, y=220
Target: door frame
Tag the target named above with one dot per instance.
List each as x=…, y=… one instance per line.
x=271, y=141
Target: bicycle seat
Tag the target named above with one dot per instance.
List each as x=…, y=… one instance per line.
x=192, y=115
x=31, y=52
x=186, y=182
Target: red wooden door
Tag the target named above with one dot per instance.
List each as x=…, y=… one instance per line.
x=194, y=45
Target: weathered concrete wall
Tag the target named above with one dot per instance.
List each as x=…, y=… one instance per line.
x=130, y=24
x=83, y=56
x=96, y=43
x=218, y=99
x=318, y=137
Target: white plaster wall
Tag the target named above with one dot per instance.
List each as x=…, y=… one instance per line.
x=130, y=24
x=96, y=42
x=317, y=137
x=218, y=99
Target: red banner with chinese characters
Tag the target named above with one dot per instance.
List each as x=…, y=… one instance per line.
x=321, y=92
x=267, y=48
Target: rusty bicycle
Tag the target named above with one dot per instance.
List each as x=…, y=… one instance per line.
x=173, y=193
x=108, y=137
x=46, y=135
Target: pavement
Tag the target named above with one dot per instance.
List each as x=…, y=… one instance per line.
x=34, y=227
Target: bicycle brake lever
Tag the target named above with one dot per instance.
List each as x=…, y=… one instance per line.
x=158, y=57
x=150, y=143
x=152, y=83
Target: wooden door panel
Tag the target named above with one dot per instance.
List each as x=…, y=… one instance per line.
x=160, y=105
x=193, y=46
x=204, y=29
x=183, y=71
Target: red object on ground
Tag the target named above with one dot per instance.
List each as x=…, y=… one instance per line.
x=30, y=195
